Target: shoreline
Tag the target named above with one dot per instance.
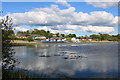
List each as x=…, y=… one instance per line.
x=99, y=42
x=21, y=42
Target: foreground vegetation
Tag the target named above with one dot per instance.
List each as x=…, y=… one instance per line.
x=7, y=74
x=8, y=60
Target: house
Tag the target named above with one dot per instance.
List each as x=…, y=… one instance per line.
x=86, y=38
x=75, y=39
x=78, y=39
x=54, y=39
x=22, y=35
x=35, y=36
x=63, y=39
x=38, y=37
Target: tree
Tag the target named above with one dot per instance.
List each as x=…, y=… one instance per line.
x=50, y=35
x=57, y=34
x=19, y=32
x=8, y=60
x=104, y=36
x=30, y=38
x=71, y=35
x=27, y=32
x=94, y=36
x=118, y=36
x=63, y=35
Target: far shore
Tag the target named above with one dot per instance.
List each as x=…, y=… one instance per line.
x=27, y=43
x=21, y=41
x=98, y=41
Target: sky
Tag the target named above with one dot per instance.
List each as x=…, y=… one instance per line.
x=80, y=18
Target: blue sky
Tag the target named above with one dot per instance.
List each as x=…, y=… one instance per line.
x=40, y=0
x=15, y=7
x=22, y=7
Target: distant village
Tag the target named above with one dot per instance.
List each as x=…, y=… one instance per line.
x=53, y=39
x=46, y=36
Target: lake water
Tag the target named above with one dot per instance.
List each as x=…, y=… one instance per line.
x=57, y=60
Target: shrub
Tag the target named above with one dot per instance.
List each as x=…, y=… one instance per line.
x=30, y=39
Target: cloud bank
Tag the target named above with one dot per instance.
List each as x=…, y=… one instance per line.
x=20, y=29
x=55, y=16
x=103, y=3
x=67, y=20
x=63, y=2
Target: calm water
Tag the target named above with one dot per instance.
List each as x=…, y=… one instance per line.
x=98, y=59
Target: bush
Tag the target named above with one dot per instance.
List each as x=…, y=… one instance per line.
x=20, y=39
x=30, y=38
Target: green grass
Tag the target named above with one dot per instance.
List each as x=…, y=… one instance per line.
x=85, y=41
x=68, y=39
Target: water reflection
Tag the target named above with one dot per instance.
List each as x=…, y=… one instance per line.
x=101, y=59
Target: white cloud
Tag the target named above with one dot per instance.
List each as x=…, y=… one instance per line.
x=55, y=16
x=68, y=20
x=63, y=2
x=103, y=3
x=44, y=28
x=98, y=29
x=56, y=29
x=1, y=19
x=66, y=29
x=20, y=29
x=78, y=28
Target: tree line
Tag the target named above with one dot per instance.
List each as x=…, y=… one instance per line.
x=98, y=36
x=105, y=37
x=45, y=33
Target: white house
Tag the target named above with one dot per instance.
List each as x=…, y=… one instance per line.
x=75, y=39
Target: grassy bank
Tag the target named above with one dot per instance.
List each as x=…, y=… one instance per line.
x=98, y=41
x=23, y=43
x=27, y=43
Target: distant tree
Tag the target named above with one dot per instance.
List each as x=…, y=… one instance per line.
x=50, y=35
x=27, y=32
x=63, y=35
x=94, y=36
x=118, y=36
x=104, y=36
x=57, y=34
x=71, y=35
x=48, y=31
x=30, y=38
x=19, y=32
x=43, y=33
